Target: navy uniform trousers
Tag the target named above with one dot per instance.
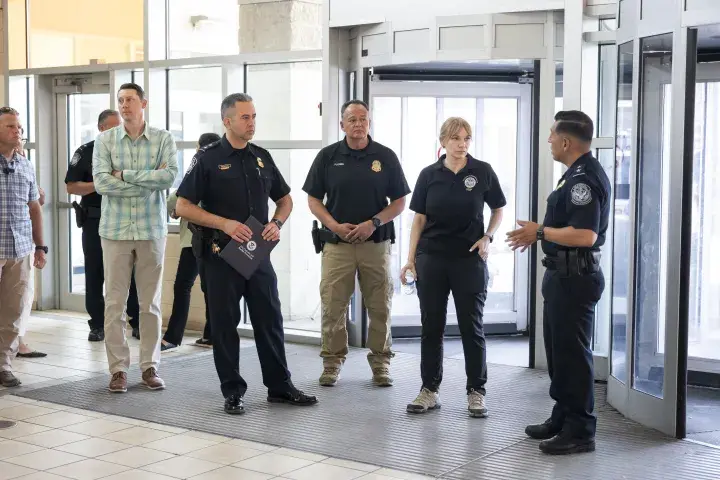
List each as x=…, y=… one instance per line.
x=225, y=288
x=568, y=317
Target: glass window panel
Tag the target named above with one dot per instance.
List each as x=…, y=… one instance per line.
x=195, y=97
x=157, y=33
x=17, y=34
x=558, y=167
x=294, y=259
x=199, y=29
x=20, y=101
x=286, y=97
x=621, y=216
x=650, y=265
x=606, y=124
x=499, y=148
x=105, y=32
x=704, y=308
x=157, y=99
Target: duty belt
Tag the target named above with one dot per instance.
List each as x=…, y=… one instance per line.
x=573, y=262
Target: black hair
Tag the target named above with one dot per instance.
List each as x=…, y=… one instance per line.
x=133, y=86
x=230, y=101
x=353, y=102
x=207, y=139
x=575, y=124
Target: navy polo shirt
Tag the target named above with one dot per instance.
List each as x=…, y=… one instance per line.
x=581, y=200
x=357, y=183
x=233, y=183
x=80, y=170
x=453, y=204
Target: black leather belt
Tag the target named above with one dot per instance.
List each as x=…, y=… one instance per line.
x=573, y=262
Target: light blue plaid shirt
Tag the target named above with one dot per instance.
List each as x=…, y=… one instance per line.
x=134, y=208
x=17, y=189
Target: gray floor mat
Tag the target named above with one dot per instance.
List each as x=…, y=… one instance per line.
x=358, y=422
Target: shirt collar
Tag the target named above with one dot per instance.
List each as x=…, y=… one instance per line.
x=369, y=149
x=15, y=157
x=230, y=150
x=145, y=132
x=472, y=163
x=579, y=164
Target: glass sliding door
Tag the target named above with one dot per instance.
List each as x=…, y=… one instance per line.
x=407, y=118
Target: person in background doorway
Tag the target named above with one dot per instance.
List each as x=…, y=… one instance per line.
x=24, y=350
x=79, y=181
x=449, y=247
x=187, y=271
x=133, y=165
x=20, y=227
x=574, y=229
x=365, y=189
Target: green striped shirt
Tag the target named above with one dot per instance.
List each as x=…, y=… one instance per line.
x=134, y=208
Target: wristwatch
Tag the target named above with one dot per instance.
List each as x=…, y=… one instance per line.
x=377, y=223
x=490, y=237
x=43, y=248
x=277, y=222
x=541, y=233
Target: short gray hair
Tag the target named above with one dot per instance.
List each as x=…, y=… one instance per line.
x=230, y=101
x=104, y=115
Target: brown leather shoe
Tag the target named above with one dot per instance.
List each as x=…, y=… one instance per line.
x=118, y=382
x=151, y=380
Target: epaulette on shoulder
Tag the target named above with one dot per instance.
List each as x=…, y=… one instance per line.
x=210, y=146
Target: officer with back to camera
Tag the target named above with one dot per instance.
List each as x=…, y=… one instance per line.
x=231, y=180
x=79, y=181
x=571, y=235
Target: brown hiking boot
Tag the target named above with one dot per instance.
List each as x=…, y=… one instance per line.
x=7, y=379
x=118, y=382
x=151, y=380
x=381, y=376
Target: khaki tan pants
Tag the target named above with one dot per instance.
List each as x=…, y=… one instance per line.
x=14, y=277
x=340, y=263
x=119, y=257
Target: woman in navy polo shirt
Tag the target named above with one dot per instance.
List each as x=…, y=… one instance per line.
x=449, y=246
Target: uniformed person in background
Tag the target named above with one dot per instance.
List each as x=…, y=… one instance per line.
x=79, y=181
x=355, y=178
x=571, y=235
x=448, y=252
x=231, y=180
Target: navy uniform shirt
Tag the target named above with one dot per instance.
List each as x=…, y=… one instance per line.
x=581, y=200
x=233, y=183
x=453, y=204
x=357, y=183
x=80, y=170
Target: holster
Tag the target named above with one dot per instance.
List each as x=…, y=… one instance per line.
x=80, y=214
x=321, y=236
x=204, y=239
x=570, y=263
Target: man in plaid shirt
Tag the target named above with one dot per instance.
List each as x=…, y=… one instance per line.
x=133, y=165
x=20, y=226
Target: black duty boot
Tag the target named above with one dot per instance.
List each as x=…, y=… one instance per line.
x=565, y=443
x=293, y=397
x=96, y=335
x=542, y=431
x=234, y=405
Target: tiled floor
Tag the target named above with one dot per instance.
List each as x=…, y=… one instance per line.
x=53, y=442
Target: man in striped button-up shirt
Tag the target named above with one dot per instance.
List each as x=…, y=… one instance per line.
x=133, y=165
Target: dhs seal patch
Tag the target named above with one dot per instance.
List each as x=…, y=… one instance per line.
x=580, y=194
x=470, y=182
x=251, y=246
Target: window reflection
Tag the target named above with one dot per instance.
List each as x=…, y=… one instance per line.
x=194, y=97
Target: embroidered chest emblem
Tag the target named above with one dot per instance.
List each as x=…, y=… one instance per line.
x=562, y=182
x=376, y=166
x=260, y=162
x=470, y=182
x=225, y=166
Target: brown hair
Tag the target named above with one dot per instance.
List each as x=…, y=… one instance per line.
x=452, y=126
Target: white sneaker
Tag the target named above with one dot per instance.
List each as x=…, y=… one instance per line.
x=426, y=400
x=476, y=404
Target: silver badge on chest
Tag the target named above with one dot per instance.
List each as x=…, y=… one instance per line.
x=470, y=182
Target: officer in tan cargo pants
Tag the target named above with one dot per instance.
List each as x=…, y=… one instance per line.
x=364, y=188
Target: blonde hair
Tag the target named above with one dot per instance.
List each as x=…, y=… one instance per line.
x=452, y=126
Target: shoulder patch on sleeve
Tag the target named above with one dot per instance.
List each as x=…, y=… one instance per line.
x=76, y=158
x=581, y=194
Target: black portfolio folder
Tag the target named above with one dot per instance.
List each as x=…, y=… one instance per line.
x=245, y=257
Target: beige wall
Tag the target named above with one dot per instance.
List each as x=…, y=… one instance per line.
x=196, y=317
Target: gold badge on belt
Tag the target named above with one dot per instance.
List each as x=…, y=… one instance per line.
x=376, y=166
x=260, y=162
x=215, y=248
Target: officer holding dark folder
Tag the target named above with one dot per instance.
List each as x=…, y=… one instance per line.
x=572, y=233
x=79, y=181
x=232, y=180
